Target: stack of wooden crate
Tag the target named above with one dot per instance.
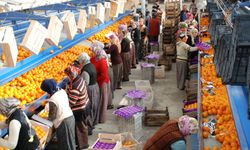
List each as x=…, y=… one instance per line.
x=170, y=27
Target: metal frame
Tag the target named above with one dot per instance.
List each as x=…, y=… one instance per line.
x=7, y=74
x=238, y=97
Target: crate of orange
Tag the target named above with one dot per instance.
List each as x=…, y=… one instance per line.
x=43, y=132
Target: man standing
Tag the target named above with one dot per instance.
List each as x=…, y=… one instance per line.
x=183, y=13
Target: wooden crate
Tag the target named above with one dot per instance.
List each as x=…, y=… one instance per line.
x=107, y=10
x=155, y=117
x=69, y=23
x=34, y=37
x=92, y=15
x=9, y=46
x=100, y=13
x=54, y=30
x=82, y=21
x=114, y=8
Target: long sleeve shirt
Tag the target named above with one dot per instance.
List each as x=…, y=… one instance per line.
x=101, y=67
x=115, y=55
x=78, y=95
x=183, y=49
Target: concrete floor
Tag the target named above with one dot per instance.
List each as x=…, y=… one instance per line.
x=165, y=94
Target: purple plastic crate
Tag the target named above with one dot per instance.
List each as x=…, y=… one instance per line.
x=147, y=65
x=152, y=56
x=104, y=146
x=202, y=46
x=127, y=112
x=136, y=94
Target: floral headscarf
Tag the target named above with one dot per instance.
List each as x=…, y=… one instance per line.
x=188, y=125
x=183, y=25
x=72, y=72
x=8, y=105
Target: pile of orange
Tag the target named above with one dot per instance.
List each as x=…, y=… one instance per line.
x=44, y=114
x=39, y=132
x=26, y=87
x=3, y=148
x=217, y=105
x=190, y=106
x=100, y=36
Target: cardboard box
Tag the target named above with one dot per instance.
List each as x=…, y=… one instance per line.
x=107, y=10
x=100, y=13
x=34, y=37
x=133, y=125
x=48, y=132
x=82, y=21
x=127, y=136
x=42, y=120
x=9, y=46
x=92, y=16
x=69, y=23
x=160, y=72
x=108, y=138
x=54, y=30
x=114, y=8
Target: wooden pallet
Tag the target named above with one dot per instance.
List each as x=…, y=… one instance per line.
x=155, y=117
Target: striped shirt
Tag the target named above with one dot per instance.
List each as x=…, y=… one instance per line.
x=77, y=93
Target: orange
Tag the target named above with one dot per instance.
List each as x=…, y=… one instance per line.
x=205, y=134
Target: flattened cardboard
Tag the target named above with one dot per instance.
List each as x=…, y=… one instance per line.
x=69, y=24
x=54, y=30
x=9, y=46
x=82, y=21
x=34, y=37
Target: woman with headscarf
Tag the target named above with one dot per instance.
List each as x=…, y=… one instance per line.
x=144, y=39
x=60, y=114
x=100, y=63
x=171, y=135
x=125, y=54
x=21, y=134
x=79, y=103
x=88, y=72
x=181, y=60
x=116, y=61
x=136, y=37
x=193, y=37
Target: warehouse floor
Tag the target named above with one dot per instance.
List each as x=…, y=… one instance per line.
x=166, y=94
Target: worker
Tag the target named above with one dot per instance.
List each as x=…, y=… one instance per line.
x=116, y=60
x=125, y=54
x=181, y=61
x=183, y=13
x=100, y=63
x=154, y=28
x=136, y=37
x=193, y=37
x=79, y=103
x=60, y=114
x=193, y=8
x=144, y=39
x=21, y=134
x=171, y=135
x=88, y=72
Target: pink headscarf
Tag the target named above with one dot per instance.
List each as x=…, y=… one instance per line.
x=189, y=16
x=188, y=125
